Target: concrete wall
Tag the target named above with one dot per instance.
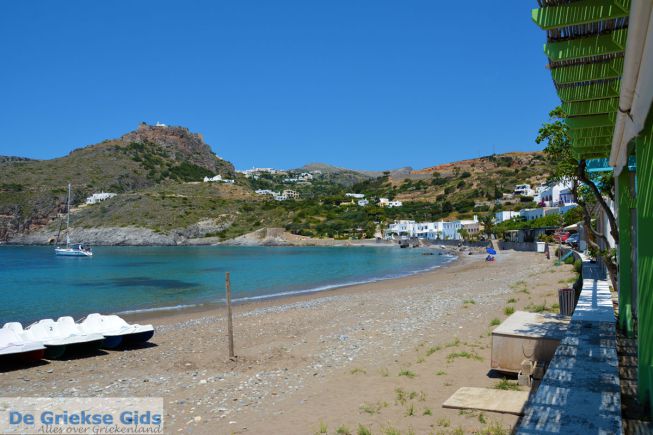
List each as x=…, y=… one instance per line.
x=518, y=246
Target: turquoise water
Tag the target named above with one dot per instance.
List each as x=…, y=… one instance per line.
x=35, y=284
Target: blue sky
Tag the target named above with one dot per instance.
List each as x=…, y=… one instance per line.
x=361, y=84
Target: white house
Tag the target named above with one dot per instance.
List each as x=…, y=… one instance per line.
x=530, y=214
x=304, y=177
x=363, y=202
x=502, y=216
x=218, y=179
x=429, y=230
x=440, y=230
x=565, y=208
x=524, y=190
x=555, y=195
x=255, y=172
x=355, y=195
x=408, y=228
x=267, y=192
x=395, y=204
x=401, y=228
x=99, y=197
x=383, y=202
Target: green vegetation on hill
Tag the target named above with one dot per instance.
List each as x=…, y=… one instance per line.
x=159, y=164
x=328, y=219
x=157, y=171
x=33, y=192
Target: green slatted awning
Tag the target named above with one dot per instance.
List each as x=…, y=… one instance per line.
x=586, y=40
x=579, y=12
x=610, y=69
x=590, y=46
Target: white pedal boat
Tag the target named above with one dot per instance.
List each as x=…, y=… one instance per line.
x=14, y=349
x=116, y=331
x=59, y=338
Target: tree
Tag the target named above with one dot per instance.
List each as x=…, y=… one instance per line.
x=588, y=189
x=488, y=224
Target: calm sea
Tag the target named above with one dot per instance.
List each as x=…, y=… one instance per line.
x=35, y=284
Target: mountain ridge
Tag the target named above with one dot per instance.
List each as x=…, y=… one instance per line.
x=157, y=172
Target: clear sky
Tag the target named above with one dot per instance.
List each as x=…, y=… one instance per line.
x=362, y=84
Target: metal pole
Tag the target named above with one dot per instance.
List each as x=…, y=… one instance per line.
x=230, y=326
x=68, y=218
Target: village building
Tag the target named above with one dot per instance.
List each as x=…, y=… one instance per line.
x=502, y=216
x=290, y=194
x=99, y=197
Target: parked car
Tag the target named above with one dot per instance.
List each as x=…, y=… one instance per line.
x=561, y=237
x=573, y=240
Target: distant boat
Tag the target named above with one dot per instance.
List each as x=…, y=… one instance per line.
x=71, y=250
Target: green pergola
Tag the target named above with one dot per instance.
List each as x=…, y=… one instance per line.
x=585, y=45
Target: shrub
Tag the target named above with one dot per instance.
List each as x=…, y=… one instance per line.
x=343, y=430
x=189, y=172
x=509, y=310
x=362, y=430
x=505, y=384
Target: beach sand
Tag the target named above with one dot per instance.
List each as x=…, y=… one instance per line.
x=384, y=355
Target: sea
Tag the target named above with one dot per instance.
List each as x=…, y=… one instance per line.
x=36, y=284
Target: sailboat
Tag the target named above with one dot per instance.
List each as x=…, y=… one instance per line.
x=71, y=250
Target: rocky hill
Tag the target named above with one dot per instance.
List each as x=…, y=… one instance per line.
x=179, y=145
x=32, y=192
x=482, y=180
x=464, y=187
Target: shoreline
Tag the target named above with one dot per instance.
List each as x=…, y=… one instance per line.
x=337, y=357
x=167, y=314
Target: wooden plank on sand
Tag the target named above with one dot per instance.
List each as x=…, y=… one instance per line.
x=488, y=399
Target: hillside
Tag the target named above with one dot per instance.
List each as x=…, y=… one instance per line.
x=347, y=177
x=334, y=174
x=482, y=180
x=32, y=192
x=157, y=171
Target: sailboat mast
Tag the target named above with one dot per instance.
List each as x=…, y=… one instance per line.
x=68, y=218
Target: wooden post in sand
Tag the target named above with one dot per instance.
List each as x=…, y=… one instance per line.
x=230, y=326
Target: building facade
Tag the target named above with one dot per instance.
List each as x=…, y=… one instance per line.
x=502, y=216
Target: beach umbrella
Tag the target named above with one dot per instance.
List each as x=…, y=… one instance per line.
x=491, y=251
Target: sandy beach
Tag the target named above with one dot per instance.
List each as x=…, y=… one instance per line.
x=383, y=355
